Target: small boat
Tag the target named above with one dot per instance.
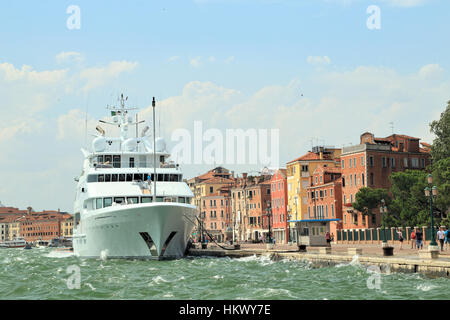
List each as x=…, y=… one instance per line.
x=16, y=243
x=27, y=246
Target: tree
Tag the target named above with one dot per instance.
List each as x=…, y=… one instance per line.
x=367, y=199
x=409, y=205
x=441, y=128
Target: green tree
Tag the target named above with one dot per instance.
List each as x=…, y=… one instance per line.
x=409, y=205
x=367, y=199
x=441, y=128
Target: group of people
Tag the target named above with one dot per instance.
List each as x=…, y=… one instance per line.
x=417, y=238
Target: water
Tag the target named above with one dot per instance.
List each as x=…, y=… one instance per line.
x=42, y=274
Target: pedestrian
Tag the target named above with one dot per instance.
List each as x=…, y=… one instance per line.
x=419, y=239
x=447, y=237
x=332, y=237
x=328, y=238
x=441, y=237
x=400, y=238
x=413, y=239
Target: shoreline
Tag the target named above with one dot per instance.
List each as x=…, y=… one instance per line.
x=429, y=267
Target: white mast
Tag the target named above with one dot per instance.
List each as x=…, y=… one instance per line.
x=154, y=151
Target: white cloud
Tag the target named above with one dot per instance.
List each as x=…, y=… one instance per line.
x=98, y=76
x=229, y=59
x=9, y=73
x=195, y=62
x=64, y=57
x=317, y=60
x=174, y=58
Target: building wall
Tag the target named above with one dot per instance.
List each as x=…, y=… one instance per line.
x=216, y=213
x=279, y=207
x=373, y=172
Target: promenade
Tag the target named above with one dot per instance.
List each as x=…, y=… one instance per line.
x=403, y=260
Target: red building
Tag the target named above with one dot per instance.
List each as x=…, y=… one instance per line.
x=44, y=225
x=325, y=196
x=279, y=224
x=216, y=214
x=370, y=164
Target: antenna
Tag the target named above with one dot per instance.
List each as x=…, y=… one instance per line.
x=154, y=151
x=392, y=126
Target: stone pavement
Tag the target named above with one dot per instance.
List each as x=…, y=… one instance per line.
x=373, y=250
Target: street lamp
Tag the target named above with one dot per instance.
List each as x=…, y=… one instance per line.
x=387, y=250
x=268, y=214
x=431, y=191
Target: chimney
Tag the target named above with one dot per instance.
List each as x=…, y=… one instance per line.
x=29, y=210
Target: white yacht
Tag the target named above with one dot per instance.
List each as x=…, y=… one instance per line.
x=131, y=202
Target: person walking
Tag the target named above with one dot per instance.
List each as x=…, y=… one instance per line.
x=441, y=237
x=419, y=239
x=447, y=237
x=328, y=238
x=400, y=238
x=413, y=239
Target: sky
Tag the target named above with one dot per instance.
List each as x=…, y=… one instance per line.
x=316, y=70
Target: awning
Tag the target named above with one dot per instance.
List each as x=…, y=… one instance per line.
x=315, y=220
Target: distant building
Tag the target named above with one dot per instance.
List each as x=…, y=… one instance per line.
x=298, y=175
x=67, y=226
x=45, y=225
x=370, y=164
x=9, y=227
x=279, y=206
x=216, y=214
x=250, y=199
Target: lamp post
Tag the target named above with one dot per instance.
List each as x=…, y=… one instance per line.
x=269, y=214
x=387, y=250
x=289, y=226
x=430, y=192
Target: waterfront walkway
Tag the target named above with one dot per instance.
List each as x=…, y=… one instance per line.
x=403, y=260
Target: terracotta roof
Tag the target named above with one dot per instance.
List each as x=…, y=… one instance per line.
x=309, y=156
x=9, y=218
x=217, y=180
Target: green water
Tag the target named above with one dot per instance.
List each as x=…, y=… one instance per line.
x=42, y=274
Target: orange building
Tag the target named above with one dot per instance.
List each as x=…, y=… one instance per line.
x=325, y=196
x=370, y=164
x=279, y=199
x=45, y=225
x=216, y=214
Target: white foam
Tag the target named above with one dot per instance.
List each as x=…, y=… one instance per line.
x=90, y=286
x=425, y=287
x=59, y=254
x=218, y=277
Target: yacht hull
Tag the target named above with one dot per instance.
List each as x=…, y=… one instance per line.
x=140, y=231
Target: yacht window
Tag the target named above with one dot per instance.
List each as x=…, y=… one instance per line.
x=114, y=177
x=101, y=178
x=131, y=162
x=153, y=177
x=182, y=200
x=137, y=177
x=146, y=200
x=119, y=200
x=173, y=177
x=121, y=177
x=100, y=159
x=99, y=203
x=159, y=199
x=108, y=159
x=129, y=177
x=107, y=178
x=107, y=202
x=116, y=161
x=166, y=177
x=132, y=200
x=146, y=176
x=160, y=177
x=92, y=178
x=161, y=159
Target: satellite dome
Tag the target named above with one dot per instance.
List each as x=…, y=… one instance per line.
x=99, y=144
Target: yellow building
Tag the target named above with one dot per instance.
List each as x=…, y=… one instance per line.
x=67, y=227
x=298, y=174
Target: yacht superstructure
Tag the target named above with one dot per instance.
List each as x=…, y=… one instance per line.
x=131, y=202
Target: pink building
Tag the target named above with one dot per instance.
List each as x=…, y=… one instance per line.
x=279, y=224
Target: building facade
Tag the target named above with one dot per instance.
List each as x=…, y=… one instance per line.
x=370, y=164
x=216, y=214
x=298, y=177
x=279, y=206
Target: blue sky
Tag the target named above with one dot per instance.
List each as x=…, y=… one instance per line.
x=248, y=60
